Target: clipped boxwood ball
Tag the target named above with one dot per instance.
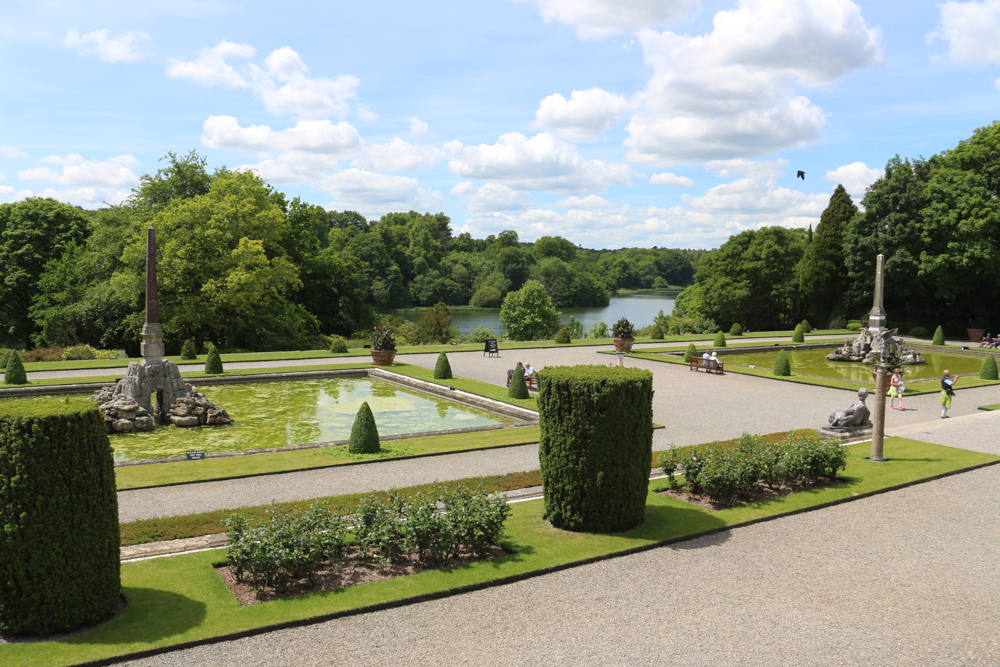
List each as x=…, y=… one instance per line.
x=338, y=346
x=364, y=433
x=518, y=387
x=736, y=329
x=781, y=366
x=442, y=369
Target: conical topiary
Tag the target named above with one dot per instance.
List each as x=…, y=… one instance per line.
x=938, y=336
x=989, y=368
x=442, y=369
x=188, y=350
x=14, y=372
x=798, y=336
x=518, y=388
x=781, y=366
x=364, y=433
x=563, y=337
x=736, y=330
x=213, y=365
x=690, y=352
x=806, y=327
x=338, y=346
x=720, y=340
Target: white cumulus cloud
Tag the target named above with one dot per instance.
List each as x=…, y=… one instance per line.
x=103, y=175
x=210, y=67
x=316, y=136
x=418, y=126
x=666, y=178
x=398, y=155
x=586, y=114
x=731, y=92
x=540, y=163
x=375, y=194
x=9, y=151
x=490, y=197
x=282, y=85
x=971, y=30
x=123, y=47
x=855, y=177
x=600, y=18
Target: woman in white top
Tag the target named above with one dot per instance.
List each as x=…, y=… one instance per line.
x=896, y=389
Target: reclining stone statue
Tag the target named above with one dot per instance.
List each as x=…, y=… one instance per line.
x=855, y=416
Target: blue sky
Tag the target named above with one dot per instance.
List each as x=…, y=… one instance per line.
x=612, y=122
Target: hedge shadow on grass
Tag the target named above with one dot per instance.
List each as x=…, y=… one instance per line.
x=151, y=615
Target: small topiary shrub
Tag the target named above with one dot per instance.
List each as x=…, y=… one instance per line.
x=213, y=364
x=989, y=368
x=364, y=433
x=736, y=329
x=781, y=366
x=59, y=546
x=518, y=387
x=596, y=446
x=920, y=332
x=338, y=345
x=14, y=371
x=720, y=340
x=656, y=333
x=690, y=352
x=562, y=337
x=938, y=336
x=442, y=369
x=798, y=336
x=806, y=327
x=188, y=350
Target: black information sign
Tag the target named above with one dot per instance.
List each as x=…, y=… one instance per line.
x=196, y=455
x=491, y=347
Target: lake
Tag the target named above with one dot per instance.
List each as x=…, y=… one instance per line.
x=640, y=308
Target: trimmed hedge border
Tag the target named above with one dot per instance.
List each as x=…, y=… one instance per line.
x=59, y=542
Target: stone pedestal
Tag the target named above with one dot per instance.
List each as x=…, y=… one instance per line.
x=152, y=343
x=845, y=434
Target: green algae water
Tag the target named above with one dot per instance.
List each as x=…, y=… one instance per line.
x=814, y=362
x=275, y=414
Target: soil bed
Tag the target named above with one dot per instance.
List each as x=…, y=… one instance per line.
x=349, y=572
x=764, y=495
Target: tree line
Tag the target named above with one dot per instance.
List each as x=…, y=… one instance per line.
x=240, y=265
x=936, y=220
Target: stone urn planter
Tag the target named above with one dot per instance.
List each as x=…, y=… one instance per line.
x=383, y=357
x=624, y=344
x=976, y=335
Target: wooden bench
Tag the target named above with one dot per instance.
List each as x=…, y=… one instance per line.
x=709, y=365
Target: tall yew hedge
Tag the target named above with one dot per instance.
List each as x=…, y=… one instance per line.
x=596, y=446
x=59, y=539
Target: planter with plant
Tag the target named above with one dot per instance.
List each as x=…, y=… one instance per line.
x=624, y=334
x=383, y=346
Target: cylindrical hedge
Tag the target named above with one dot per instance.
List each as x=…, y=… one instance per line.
x=442, y=369
x=364, y=433
x=59, y=536
x=596, y=446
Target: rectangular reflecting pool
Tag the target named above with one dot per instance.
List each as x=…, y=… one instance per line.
x=275, y=414
x=814, y=362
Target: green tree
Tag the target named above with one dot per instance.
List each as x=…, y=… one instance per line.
x=822, y=272
x=32, y=233
x=436, y=325
x=528, y=314
x=554, y=246
x=487, y=297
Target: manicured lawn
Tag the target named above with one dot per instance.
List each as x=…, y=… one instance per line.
x=995, y=406
x=180, y=598
x=182, y=472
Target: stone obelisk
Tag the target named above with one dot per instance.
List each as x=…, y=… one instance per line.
x=876, y=318
x=152, y=332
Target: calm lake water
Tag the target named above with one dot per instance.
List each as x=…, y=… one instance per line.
x=640, y=308
x=274, y=414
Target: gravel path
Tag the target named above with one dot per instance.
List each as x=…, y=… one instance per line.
x=905, y=578
x=695, y=407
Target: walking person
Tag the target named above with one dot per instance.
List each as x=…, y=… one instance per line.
x=947, y=391
x=896, y=389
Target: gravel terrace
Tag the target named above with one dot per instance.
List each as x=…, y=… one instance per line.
x=904, y=578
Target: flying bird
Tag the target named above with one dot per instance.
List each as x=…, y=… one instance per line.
x=801, y=175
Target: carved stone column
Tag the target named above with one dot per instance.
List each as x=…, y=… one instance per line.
x=152, y=333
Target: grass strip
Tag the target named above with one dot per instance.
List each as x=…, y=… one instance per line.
x=995, y=406
x=486, y=389
x=184, y=472
x=180, y=599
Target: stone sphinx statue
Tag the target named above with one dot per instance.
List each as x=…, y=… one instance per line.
x=853, y=417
